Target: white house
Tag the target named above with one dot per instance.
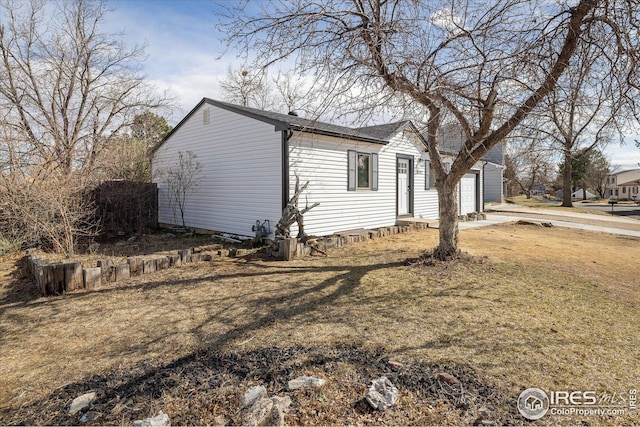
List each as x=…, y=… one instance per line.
x=362, y=178
x=624, y=185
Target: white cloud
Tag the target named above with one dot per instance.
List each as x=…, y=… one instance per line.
x=625, y=156
x=181, y=43
x=446, y=19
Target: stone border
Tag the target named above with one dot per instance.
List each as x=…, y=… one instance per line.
x=57, y=278
x=290, y=249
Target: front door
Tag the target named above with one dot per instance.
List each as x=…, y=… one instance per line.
x=404, y=187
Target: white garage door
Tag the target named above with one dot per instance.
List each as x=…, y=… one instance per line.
x=468, y=194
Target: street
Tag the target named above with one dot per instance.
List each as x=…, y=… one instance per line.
x=626, y=210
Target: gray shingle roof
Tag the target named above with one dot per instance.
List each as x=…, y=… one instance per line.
x=386, y=131
x=379, y=134
x=287, y=121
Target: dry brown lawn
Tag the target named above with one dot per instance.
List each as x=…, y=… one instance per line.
x=556, y=309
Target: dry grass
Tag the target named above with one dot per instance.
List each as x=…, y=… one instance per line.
x=547, y=308
x=535, y=202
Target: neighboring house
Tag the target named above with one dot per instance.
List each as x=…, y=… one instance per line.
x=493, y=183
x=629, y=190
x=539, y=190
x=624, y=185
x=362, y=178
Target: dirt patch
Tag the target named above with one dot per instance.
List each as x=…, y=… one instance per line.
x=201, y=388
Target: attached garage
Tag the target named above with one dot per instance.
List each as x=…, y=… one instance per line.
x=469, y=194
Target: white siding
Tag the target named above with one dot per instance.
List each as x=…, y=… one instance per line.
x=492, y=183
x=323, y=162
x=241, y=171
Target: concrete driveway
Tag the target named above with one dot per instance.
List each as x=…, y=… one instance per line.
x=498, y=214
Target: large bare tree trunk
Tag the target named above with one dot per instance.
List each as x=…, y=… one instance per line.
x=469, y=67
x=566, y=180
x=448, y=227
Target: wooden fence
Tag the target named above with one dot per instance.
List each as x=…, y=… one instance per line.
x=126, y=206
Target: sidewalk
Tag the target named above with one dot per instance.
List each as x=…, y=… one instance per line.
x=579, y=221
x=512, y=208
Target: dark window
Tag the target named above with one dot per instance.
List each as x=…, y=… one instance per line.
x=364, y=169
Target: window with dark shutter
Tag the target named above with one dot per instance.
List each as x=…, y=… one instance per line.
x=427, y=174
x=362, y=171
x=351, y=170
x=374, y=172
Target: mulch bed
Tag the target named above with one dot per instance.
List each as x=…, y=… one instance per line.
x=207, y=387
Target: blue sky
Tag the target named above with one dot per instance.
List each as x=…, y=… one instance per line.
x=183, y=47
x=181, y=42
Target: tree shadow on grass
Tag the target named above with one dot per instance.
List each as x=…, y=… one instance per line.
x=20, y=288
x=211, y=371
x=208, y=383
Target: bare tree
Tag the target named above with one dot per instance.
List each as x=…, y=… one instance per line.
x=182, y=179
x=249, y=88
x=52, y=212
x=528, y=163
x=291, y=95
x=589, y=171
x=127, y=155
x=124, y=158
x=591, y=104
x=597, y=172
x=484, y=66
x=66, y=90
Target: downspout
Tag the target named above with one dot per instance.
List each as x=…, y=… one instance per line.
x=484, y=163
x=286, y=136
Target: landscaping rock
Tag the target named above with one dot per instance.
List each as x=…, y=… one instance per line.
x=267, y=412
x=252, y=395
x=526, y=222
x=132, y=239
x=160, y=420
x=81, y=402
x=305, y=382
x=168, y=236
x=382, y=394
x=90, y=416
x=219, y=421
x=447, y=378
x=395, y=364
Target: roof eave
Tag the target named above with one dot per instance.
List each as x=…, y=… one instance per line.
x=337, y=134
